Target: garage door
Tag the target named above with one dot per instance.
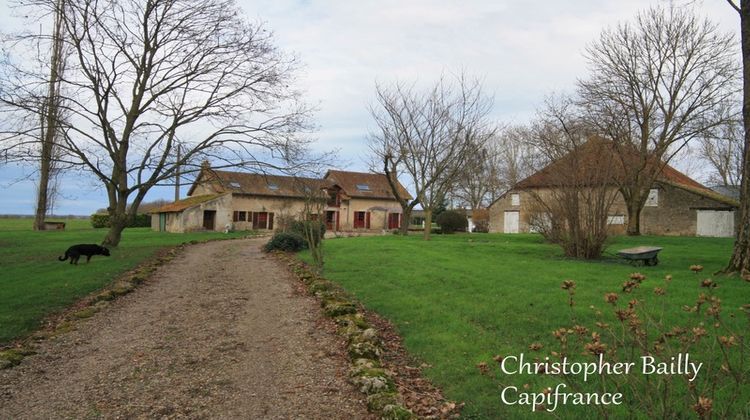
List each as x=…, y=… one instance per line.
x=510, y=222
x=715, y=223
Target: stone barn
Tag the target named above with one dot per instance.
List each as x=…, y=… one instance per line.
x=676, y=205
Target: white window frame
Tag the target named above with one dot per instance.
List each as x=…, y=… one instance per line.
x=515, y=199
x=616, y=219
x=653, y=198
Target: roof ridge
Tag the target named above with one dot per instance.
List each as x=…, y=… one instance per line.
x=595, y=144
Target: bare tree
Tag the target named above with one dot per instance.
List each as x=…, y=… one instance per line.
x=478, y=182
x=653, y=85
x=576, y=191
x=520, y=155
x=313, y=218
x=722, y=149
x=503, y=160
x=145, y=76
x=740, y=260
x=428, y=136
x=50, y=116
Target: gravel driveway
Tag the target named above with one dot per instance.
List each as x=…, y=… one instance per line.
x=217, y=332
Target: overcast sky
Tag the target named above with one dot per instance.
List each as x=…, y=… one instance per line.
x=522, y=53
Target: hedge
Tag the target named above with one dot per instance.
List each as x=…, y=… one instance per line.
x=285, y=241
x=300, y=228
x=452, y=221
x=99, y=220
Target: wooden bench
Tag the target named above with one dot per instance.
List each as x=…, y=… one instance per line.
x=648, y=255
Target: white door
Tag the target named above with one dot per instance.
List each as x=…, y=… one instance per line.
x=715, y=223
x=510, y=222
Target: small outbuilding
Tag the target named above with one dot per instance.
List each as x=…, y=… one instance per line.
x=201, y=212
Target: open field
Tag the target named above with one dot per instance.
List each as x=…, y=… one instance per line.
x=34, y=284
x=460, y=300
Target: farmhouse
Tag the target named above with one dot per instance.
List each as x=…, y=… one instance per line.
x=676, y=204
x=217, y=200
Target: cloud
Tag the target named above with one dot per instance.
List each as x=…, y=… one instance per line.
x=523, y=51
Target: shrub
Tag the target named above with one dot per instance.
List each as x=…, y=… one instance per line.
x=285, y=241
x=481, y=226
x=626, y=329
x=301, y=227
x=284, y=222
x=141, y=220
x=451, y=221
x=481, y=219
x=101, y=220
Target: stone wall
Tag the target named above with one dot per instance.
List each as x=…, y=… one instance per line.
x=379, y=210
x=676, y=212
x=281, y=207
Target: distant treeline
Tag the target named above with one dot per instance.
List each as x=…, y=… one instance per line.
x=142, y=220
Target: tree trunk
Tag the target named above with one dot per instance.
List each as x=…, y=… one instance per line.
x=49, y=122
x=635, y=198
x=117, y=225
x=740, y=260
x=427, y=223
x=634, y=219
x=405, y=219
x=119, y=216
x=41, y=200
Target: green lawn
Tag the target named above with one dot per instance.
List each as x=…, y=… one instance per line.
x=458, y=300
x=34, y=284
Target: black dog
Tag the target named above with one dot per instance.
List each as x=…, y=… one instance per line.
x=75, y=252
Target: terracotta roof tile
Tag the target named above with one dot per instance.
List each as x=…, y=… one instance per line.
x=353, y=184
x=365, y=185
x=185, y=203
x=595, y=153
x=702, y=191
x=261, y=184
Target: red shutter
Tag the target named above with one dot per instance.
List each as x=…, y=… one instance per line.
x=262, y=220
x=394, y=220
x=367, y=220
x=270, y=221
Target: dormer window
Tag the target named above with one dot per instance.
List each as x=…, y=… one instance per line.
x=272, y=186
x=234, y=184
x=363, y=187
x=334, y=199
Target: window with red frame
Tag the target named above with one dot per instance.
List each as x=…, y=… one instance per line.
x=262, y=220
x=362, y=219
